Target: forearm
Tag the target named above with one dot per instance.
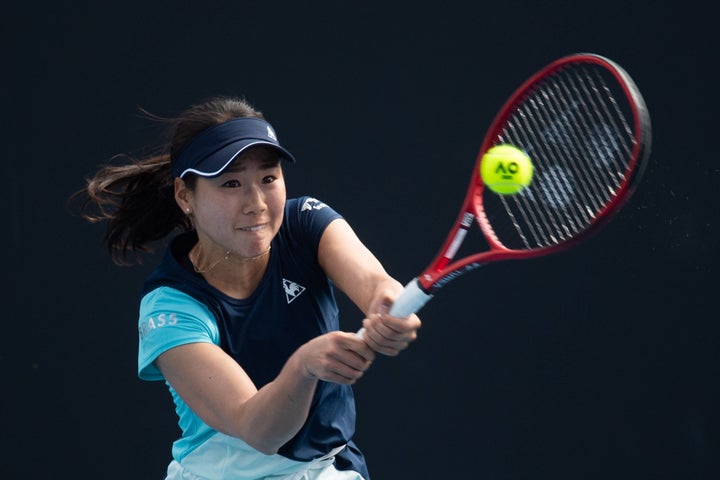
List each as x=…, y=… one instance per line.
x=220, y=392
x=353, y=269
x=278, y=410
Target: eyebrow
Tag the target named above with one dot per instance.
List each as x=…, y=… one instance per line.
x=264, y=165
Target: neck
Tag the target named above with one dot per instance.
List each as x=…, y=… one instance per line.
x=235, y=276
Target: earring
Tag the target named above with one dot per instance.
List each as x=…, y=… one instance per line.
x=187, y=210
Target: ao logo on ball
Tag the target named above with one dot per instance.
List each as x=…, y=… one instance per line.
x=506, y=169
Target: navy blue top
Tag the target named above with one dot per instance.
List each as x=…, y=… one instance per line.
x=293, y=303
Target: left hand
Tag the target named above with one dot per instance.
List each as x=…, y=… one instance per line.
x=387, y=334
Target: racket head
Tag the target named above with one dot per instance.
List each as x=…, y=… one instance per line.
x=586, y=128
x=585, y=125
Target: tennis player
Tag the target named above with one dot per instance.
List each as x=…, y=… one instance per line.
x=239, y=318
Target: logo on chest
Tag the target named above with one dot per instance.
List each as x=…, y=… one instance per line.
x=292, y=289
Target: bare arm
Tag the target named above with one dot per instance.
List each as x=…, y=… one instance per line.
x=220, y=392
x=356, y=271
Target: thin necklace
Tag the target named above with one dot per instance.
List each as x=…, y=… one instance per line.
x=212, y=265
x=225, y=257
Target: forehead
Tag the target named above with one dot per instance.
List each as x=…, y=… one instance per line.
x=260, y=156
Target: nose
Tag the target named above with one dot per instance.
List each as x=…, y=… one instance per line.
x=253, y=200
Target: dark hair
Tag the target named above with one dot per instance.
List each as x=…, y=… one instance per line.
x=137, y=197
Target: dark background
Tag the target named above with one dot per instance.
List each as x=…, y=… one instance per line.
x=601, y=362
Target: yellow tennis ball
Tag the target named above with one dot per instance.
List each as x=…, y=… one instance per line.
x=506, y=169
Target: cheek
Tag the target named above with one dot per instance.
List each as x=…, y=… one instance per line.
x=278, y=202
x=209, y=215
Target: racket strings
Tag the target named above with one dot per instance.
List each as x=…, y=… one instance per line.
x=575, y=127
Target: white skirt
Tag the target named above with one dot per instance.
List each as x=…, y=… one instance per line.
x=228, y=458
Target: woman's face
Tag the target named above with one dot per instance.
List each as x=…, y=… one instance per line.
x=242, y=209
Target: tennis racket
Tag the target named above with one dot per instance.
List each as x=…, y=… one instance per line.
x=585, y=126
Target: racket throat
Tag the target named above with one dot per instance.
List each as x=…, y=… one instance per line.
x=453, y=243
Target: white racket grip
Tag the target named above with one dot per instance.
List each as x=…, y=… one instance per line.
x=410, y=301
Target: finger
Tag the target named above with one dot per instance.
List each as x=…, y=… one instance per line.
x=401, y=325
x=355, y=343
x=383, y=344
x=396, y=329
x=355, y=361
x=347, y=368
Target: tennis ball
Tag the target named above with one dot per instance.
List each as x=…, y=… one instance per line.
x=506, y=169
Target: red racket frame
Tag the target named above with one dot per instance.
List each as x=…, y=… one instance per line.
x=443, y=268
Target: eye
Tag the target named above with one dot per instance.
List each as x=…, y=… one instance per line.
x=231, y=184
x=269, y=179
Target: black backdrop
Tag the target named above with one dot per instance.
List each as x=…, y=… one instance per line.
x=598, y=363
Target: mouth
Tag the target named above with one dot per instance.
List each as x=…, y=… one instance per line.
x=253, y=228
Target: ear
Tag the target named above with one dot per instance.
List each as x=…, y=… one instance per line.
x=183, y=196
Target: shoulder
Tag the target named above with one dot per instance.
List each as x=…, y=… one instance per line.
x=306, y=218
x=171, y=309
x=169, y=318
x=309, y=212
x=171, y=299
x=306, y=203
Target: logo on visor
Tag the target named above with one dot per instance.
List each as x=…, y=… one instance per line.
x=271, y=134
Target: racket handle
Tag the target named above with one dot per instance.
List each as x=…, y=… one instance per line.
x=410, y=301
